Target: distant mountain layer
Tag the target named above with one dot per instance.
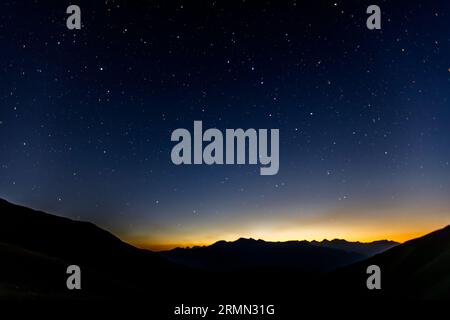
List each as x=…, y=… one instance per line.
x=367, y=249
x=36, y=248
x=245, y=254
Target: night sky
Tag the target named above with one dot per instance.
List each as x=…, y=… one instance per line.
x=364, y=116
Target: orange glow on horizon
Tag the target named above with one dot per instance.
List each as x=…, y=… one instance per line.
x=397, y=223
x=400, y=237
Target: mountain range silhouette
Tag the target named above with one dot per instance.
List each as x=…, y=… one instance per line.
x=36, y=248
x=301, y=256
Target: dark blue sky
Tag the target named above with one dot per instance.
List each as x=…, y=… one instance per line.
x=86, y=116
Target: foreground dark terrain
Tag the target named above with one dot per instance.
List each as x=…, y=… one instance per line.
x=36, y=248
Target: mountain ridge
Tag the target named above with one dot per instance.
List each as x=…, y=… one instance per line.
x=37, y=247
x=300, y=255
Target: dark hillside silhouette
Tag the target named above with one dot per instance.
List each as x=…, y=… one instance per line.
x=36, y=248
x=419, y=268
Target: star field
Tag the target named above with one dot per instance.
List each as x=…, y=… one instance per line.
x=86, y=116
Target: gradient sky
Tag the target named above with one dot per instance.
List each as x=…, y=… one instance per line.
x=364, y=117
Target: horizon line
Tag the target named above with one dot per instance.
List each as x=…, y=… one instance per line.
x=170, y=246
x=139, y=242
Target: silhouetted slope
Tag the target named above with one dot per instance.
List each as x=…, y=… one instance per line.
x=36, y=248
x=35, y=245
x=82, y=242
x=258, y=254
x=419, y=268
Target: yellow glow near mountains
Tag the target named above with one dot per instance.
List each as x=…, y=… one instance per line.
x=398, y=223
